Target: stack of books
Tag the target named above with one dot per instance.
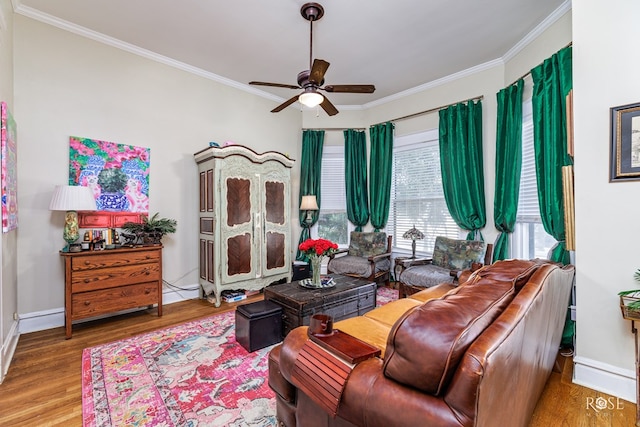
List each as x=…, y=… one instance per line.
x=233, y=296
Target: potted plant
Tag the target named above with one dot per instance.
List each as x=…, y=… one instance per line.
x=112, y=182
x=630, y=301
x=150, y=230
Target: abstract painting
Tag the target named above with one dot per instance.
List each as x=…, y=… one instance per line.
x=117, y=174
x=9, y=171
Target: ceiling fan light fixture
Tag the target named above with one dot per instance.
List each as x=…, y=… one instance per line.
x=311, y=99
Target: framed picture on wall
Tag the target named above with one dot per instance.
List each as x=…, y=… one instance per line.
x=625, y=143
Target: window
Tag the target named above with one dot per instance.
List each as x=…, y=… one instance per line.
x=529, y=240
x=333, y=223
x=416, y=193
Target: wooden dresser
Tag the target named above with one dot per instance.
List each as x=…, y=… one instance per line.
x=102, y=282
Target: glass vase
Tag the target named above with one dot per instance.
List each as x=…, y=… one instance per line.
x=316, y=263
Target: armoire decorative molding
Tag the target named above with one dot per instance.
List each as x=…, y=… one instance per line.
x=244, y=218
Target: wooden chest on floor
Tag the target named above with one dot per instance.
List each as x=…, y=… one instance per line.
x=349, y=298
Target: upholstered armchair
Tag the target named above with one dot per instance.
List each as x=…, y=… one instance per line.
x=449, y=258
x=368, y=257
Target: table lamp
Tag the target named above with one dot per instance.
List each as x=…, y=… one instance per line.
x=414, y=234
x=72, y=198
x=309, y=204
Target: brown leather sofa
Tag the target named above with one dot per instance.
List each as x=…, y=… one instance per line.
x=478, y=354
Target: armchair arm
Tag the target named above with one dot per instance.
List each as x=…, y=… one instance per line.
x=375, y=258
x=338, y=252
x=410, y=262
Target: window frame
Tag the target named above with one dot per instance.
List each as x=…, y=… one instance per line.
x=403, y=246
x=336, y=152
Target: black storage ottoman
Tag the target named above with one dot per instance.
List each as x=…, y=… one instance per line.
x=258, y=325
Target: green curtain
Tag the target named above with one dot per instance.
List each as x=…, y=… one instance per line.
x=460, y=129
x=310, y=173
x=552, y=82
x=381, y=136
x=508, y=165
x=355, y=177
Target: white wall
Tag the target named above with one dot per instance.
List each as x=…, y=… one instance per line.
x=67, y=85
x=605, y=64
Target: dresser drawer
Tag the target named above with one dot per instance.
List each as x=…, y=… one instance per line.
x=90, y=262
x=88, y=280
x=87, y=304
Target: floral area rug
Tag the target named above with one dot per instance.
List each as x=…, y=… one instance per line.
x=194, y=374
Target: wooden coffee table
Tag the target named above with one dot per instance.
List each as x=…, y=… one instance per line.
x=348, y=298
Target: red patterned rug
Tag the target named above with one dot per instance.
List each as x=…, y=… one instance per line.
x=193, y=374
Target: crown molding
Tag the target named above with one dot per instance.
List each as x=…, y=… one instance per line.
x=435, y=83
x=136, y=50
x=538, y=30
x=119, y=44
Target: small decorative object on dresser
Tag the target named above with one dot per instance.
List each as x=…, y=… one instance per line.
x=102, y=282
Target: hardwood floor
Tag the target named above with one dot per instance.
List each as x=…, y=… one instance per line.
x=43, y=385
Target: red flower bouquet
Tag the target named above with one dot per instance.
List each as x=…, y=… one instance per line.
x=315, y=250
x=318, y=247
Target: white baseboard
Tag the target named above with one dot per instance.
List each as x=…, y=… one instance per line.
x=8, y=348
x=54, y=318
x=605, y=378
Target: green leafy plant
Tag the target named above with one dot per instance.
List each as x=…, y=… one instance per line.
x=151, y=230
x=634, y=293
x=112, y=180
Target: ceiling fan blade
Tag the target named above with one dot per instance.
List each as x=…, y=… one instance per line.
x=329, y=107
x=285, y=104
x=350, y=88
x=274, y=85
x=316, y=76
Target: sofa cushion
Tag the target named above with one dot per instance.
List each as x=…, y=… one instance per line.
x=457, y=254
x=366, y=244
x=368, y=330
x=425, y=345
x=360, y=266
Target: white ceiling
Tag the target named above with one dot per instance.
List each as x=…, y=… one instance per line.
x=396, y=45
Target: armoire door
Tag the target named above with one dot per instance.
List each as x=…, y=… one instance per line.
x=276, y=229
x=239, y=230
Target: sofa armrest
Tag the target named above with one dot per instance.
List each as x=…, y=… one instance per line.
x=409, y=407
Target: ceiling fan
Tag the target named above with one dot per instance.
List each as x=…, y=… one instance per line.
x=311, y=80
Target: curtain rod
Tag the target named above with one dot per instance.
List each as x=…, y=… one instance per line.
x=431, y=110
x=529, y=72
x=333, y=129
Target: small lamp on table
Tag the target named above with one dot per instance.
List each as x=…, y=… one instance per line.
x=414, y=234
x=72, y=198
x=309, y=204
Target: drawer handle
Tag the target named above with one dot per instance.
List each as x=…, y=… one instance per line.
x=87, y=303
x=147, y=272
x=148, y=256
x=147, y=291
x=87, y=263
x=87, y=280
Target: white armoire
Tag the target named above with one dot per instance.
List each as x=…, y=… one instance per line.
x=244, y=219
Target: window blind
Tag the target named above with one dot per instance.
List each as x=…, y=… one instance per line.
x=417, y=198
x=528, y=208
